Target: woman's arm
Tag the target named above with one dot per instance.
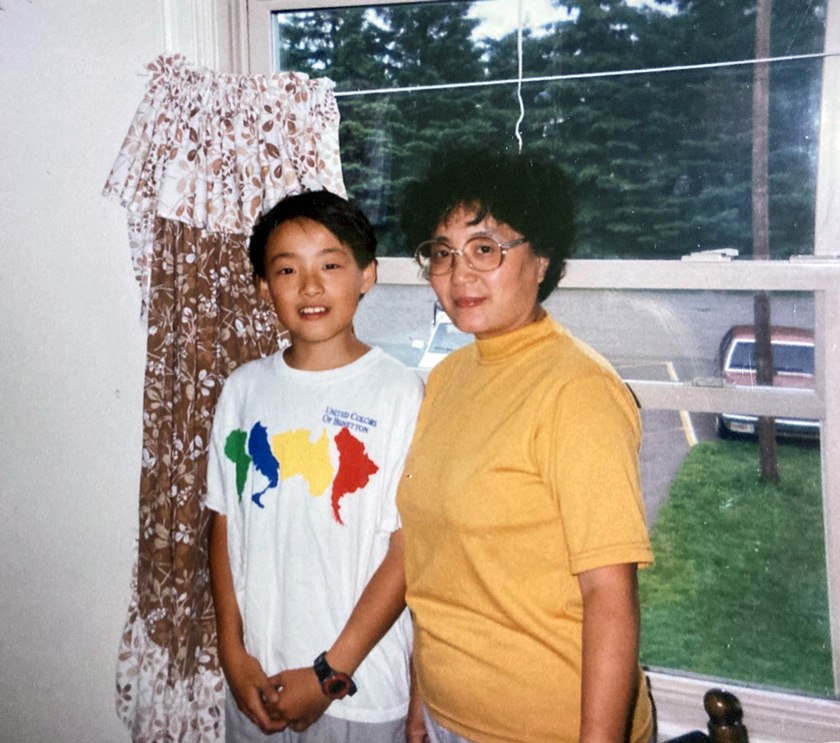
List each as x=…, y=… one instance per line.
x=610, y=652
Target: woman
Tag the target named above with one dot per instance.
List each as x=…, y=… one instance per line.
x=521, y=507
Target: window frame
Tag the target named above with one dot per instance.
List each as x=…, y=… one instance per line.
x=234, y=35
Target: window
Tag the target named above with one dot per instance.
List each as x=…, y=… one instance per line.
x=649, y=104
x=788, y=357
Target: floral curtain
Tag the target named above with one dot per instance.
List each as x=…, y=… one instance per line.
x=205, y=155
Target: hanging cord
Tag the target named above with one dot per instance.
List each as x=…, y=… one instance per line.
x=585, y=75
x=517, y=132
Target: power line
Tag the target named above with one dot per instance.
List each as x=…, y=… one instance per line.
x=585, y=75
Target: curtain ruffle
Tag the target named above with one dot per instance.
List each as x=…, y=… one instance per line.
x=153, y=706
x=214, y=150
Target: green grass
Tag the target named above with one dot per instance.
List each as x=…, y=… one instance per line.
x=739, y=590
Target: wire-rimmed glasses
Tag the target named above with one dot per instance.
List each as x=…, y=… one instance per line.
x=481, y=253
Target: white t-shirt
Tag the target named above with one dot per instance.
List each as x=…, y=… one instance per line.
x=305, y=466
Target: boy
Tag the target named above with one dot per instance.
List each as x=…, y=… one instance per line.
x=306, y=556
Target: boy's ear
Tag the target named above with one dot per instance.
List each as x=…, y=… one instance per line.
x=262, y=286
x=368, y=276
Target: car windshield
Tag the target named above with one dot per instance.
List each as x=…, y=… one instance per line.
x=788, y=358
x=448, y=338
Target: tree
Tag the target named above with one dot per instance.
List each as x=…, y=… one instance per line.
x=608, y=132
x=717, y=30
x=386, y=138
x=662, y=160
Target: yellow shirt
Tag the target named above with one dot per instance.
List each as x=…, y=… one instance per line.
x=523, y=473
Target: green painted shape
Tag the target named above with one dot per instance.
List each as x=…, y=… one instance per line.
x=236, y=452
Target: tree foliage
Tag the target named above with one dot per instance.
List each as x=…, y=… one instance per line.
x=662, y=159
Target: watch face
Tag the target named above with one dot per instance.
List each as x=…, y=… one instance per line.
x=337, y=686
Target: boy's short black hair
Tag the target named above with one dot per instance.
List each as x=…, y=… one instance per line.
x=345, y=220
x=533, y=196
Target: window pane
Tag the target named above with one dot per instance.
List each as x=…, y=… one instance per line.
x=739, y=587
x=399, y=319
x=738, y=590
x=662, y=159
x=641, y=104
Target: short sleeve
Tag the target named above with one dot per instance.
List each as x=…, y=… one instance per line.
x=401, y=433
x=215, y=493
x=590, y=450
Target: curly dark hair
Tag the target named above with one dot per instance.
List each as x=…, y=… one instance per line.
x=344, y=219
x=535, y=197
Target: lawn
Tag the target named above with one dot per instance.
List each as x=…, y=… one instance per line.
x=738, y=590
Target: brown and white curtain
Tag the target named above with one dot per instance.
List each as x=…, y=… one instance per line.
x=205, y=154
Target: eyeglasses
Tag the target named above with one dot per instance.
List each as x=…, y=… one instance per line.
x=481, y=252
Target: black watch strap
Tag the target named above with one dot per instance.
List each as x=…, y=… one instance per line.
x=334, y=684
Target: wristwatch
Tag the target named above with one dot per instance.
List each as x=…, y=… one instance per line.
x=334, y=684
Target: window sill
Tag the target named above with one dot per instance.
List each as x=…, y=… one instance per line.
x=769, y=716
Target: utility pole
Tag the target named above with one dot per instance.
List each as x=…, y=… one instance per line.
x=761, y=230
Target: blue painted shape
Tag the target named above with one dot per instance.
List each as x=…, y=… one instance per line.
x=264, y=461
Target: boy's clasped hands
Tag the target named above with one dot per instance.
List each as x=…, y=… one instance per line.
x=291, y=698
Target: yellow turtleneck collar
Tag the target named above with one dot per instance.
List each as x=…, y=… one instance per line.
x=500, y=347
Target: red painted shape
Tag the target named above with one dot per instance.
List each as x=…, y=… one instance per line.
x=355, y=469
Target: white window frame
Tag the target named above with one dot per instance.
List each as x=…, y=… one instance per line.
x=234, y=36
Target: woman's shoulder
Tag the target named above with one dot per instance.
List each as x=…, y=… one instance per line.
x=585, y=378
x=571, y=367
x=452, y=363
x=566, y=355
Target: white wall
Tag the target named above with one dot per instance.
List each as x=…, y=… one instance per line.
x=71, y=361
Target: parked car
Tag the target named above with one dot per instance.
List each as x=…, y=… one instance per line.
x=443, y=339
x=793, y=363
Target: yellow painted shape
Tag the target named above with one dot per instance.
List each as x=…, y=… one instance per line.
x=300, y=456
